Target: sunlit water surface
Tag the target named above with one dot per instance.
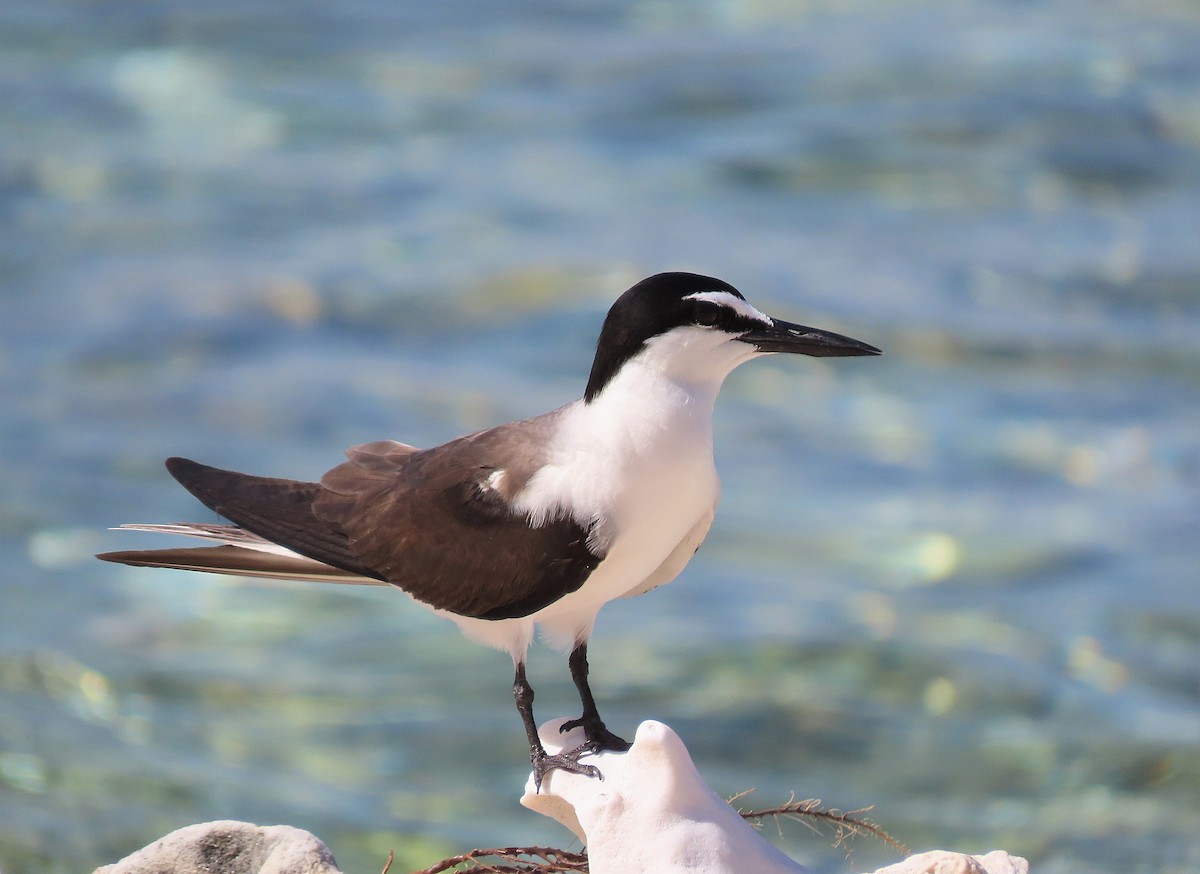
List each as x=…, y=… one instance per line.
x=959, y=583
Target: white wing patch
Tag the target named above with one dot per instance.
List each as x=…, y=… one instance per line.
x=495, y=480
x=733, y=302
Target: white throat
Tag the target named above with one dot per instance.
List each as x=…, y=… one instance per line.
x=650, y=426
x=693, y=359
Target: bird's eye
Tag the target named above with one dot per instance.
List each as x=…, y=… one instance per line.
x=707, y=316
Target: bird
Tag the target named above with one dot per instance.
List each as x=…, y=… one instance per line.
x=528, y=526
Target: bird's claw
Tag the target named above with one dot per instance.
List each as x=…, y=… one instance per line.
x=543, y=763
x=599, y=738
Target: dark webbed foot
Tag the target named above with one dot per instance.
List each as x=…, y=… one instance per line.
x=543, y=763
x=599, y=738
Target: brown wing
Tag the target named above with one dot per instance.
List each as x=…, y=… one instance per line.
x=281, y=510
x=431, y=522
x=438, y=524
x=276, y=509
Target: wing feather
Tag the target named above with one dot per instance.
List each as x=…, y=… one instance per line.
x=438, y=523
x=280, y=510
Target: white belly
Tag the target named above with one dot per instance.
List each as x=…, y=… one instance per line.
x=662, y=510
x=635, y=467
x=666, y=507
x=651, y=495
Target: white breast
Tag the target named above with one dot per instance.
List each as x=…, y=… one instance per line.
x=635, y=465
x=637, y=462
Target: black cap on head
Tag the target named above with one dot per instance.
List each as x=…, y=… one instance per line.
x=651, y=307
x=671, y=300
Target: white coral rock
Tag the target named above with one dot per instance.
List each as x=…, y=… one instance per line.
x=653, y=812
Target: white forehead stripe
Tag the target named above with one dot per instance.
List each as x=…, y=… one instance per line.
x=733, y=302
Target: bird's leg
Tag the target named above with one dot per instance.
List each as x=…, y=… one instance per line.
x=542, y=761
x=599, y=738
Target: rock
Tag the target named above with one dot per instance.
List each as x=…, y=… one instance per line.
x=942, y=862
x=651, y=812
x=228, y=847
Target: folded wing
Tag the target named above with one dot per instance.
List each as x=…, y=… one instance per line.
x=437, y=523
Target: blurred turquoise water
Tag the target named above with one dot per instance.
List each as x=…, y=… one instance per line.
x=959, y=582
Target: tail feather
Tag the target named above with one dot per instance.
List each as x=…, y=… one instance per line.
x=227, y=535
x=238, y=561
x=279, y=510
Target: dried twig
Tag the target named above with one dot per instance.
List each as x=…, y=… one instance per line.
x=547, y=860
x=391, y=858
x=523, y=860
x=846, y=825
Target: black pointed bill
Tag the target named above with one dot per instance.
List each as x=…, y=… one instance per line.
x=781, y=336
